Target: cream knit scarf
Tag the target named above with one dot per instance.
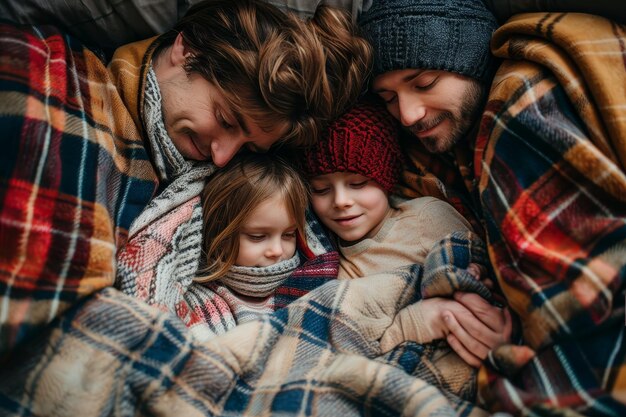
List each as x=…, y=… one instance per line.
x=177, y=252
x=260, y=281
x=184, y=179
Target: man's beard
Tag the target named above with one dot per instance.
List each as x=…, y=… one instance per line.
x=461, y=123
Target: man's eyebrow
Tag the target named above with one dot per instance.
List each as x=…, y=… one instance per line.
x=405, y=79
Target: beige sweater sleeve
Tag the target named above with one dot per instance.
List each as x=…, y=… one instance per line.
x=439, y=219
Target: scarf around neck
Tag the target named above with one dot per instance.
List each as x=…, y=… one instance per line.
x=260, y=281
x=168, y=160
x=183, y=179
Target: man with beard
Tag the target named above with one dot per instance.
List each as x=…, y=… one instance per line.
x=530, y=150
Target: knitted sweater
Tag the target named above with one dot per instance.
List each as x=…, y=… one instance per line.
x=405, y=238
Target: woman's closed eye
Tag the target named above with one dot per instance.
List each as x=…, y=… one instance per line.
x=192, y=135
x=253, y=147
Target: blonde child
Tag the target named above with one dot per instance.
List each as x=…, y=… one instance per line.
x=253, y=210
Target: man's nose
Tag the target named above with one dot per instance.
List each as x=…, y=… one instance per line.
x=223, y=150
x=411, y=110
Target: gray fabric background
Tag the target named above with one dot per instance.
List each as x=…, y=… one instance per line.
x=108, y=24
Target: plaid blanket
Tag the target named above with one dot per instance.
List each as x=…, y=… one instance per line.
x=551, y=158
x=74, y=175
x=549, y=164
x=319, y=356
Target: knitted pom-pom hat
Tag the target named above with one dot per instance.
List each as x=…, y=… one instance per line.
x=364, y=141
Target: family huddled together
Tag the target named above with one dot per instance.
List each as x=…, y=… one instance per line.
x=387, y=207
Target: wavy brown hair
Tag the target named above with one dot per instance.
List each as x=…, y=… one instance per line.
x=231, y=195
x=274, y=67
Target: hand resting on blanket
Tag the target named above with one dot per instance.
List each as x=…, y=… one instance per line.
x=471, y=325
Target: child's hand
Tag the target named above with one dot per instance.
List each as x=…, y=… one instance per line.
x=479, y=272
x=476, y=270
x=421, y=322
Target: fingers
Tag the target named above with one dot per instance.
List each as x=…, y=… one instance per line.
x=470, y=324
x=465, y=342
x=476, y=270
x=488, y=283
x=467, y=356
x=479, y=273
x=489, y=324
x=491, y=316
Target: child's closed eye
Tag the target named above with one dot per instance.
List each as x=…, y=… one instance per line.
x=359, y=184
x=255, y=237
x=320, y=190
x=289, y=235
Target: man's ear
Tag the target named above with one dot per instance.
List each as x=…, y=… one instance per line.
x=178, y=52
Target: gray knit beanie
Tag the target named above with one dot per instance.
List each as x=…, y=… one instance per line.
x=450, y=35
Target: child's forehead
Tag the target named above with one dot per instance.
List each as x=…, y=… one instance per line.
x=273, y=210
x=275, y=201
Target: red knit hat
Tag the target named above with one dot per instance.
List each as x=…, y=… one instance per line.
x=364, y=141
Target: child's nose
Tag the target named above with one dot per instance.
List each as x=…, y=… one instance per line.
x=342, y=198
x=275, y=249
